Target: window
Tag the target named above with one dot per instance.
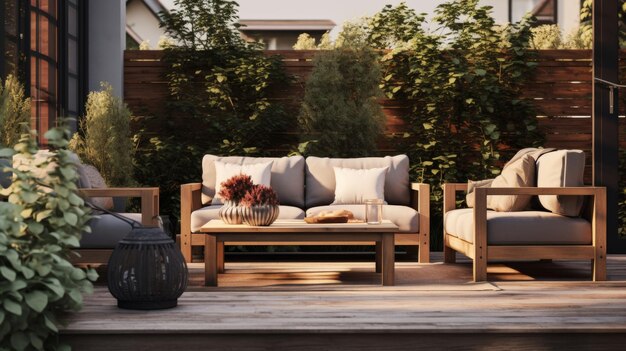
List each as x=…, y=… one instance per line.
x=544, y=10
x=44, y=42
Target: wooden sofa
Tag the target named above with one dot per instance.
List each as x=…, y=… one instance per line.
x=483, y=234
x=408, y=204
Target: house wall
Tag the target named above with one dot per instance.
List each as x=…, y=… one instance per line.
x=143, y=22
x=107, y=39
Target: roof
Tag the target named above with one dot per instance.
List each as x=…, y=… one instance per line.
x=321, y=25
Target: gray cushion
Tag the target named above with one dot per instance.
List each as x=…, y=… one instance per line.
x=405, y=217
x=521, y=228
x=320, y=177
x=202, y=216
x=107, y=230
x=562, y=168
x=287, y=177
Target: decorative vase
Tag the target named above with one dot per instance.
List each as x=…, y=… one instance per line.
x=230, y=213
x=260, y=215
x=146, y=271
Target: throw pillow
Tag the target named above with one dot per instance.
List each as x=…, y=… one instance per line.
x=261, y=173
x=520, y=173
x=473, y=184
x=354, y=186
x=562, y=168
x=96, y=181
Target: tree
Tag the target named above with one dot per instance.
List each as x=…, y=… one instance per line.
x=340, y=111
x=14, y=111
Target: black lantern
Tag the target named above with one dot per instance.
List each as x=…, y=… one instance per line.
x=147, y=271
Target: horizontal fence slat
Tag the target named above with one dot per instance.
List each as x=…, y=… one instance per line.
x=560, y=90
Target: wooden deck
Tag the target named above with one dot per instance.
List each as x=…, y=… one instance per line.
x=340, y=306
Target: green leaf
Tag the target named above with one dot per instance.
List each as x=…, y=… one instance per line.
x=50, y=324
x=70, y=218
x=8, y=273
x=480, y=72
x=19, y=341
x=36, y=300
x=12, y=307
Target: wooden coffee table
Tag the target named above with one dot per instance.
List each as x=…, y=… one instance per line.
x=217, y=233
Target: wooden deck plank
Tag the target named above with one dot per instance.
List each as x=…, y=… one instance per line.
x=532, y=305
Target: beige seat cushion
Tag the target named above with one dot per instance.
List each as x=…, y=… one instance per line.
x=201, y=216
x=287, y=177
x=562, y=168
x=521, y=228
x=405, y=217
x=320, y=177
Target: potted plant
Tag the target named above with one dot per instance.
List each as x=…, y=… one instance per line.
x=260, y=206
x=232, y=191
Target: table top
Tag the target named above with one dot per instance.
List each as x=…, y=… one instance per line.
x=300, y=226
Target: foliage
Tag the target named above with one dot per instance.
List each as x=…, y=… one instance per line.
x=105, y=140
x=219, y=102
x=236, y=188
x=38, y=227
x=339, y=110
x=259, y=195
x=549, y=36
x=462, y=84
x=14, y=111
x=586, y=27
x=305, y=42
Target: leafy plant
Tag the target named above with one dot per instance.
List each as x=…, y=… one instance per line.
x=305, y=42
x=547, y=36
x=14, y=111
x=219, y=102
x=236, y=188
x=586, y=16
x=462, y=84
x=340, y=111
x=259, y=195
x=38, y=227
x=104, y=140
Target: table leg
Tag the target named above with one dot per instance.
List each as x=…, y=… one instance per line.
x=388, y=259
x=220, y=257
x=379, y=257
x=210, y=260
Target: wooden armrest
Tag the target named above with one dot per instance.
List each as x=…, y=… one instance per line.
x=191, y=186
x=449, y=195
x=149, y=200
x=420, y=199
x=454, y=187
x=190, y=200
x=586, y=190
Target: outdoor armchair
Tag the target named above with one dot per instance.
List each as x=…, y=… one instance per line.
x=483, y=234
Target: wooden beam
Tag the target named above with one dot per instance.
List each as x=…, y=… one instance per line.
x=605, y=117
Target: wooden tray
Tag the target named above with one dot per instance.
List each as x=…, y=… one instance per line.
x=321, y=220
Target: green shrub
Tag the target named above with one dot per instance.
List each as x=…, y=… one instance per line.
x=104, y=139
x=38, y=228
x=340, y=111
x=14, y=111
x=547, y=36
x=305, y=42
x=462, y=85
x=219, y=101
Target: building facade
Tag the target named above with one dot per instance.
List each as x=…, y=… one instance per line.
x=61, y=50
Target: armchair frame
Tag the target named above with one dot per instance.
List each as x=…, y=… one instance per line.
x=149, y=217
x=480, y=252
x=190, y=200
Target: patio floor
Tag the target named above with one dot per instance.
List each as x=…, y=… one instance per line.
x=340, y=306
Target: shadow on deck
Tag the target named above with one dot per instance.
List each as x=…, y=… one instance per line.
x=341, y=306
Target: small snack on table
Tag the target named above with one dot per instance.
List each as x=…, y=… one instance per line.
x=336, y=216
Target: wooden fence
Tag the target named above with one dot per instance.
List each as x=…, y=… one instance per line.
x=560, y=90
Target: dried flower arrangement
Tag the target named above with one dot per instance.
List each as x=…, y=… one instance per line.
x=235, y=188
x=260, y=195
